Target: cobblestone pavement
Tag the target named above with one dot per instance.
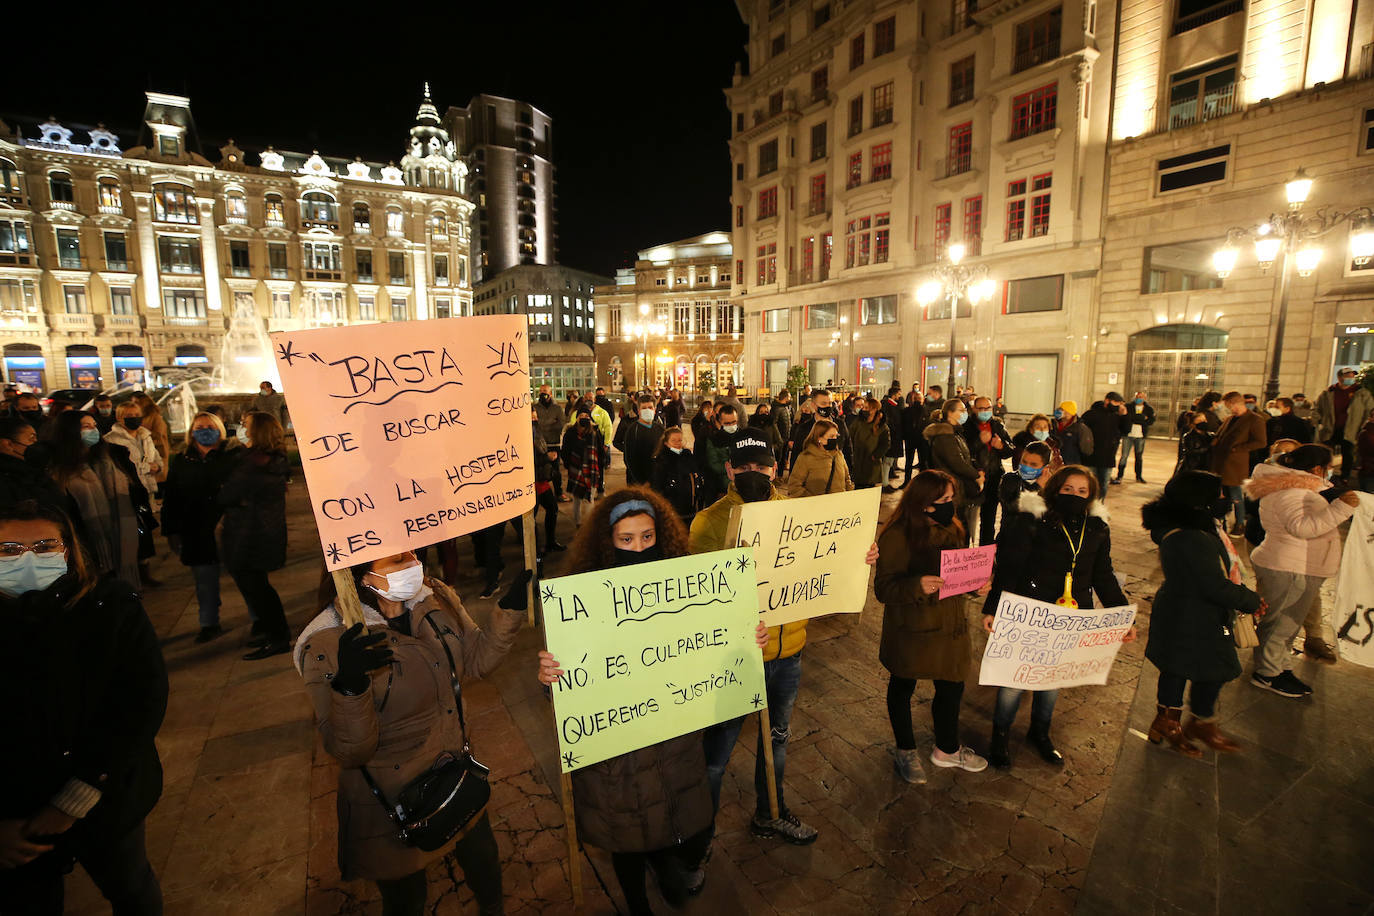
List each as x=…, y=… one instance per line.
x=246, y=823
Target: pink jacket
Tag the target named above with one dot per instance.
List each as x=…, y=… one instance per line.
x=1300, y=533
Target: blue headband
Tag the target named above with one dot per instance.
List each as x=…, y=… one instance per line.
x=621, y=510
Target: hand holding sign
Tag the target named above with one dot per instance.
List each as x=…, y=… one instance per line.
x=1036, y=645
x=965, y=570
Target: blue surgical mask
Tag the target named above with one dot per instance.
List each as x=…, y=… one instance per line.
x=1348, y=382
x=1058, y=413
x=206, y=436
x=1029, y=473
x=30, y=572
x=984, y=416
x=1140, y=400
x=1041, y=435
x=90, y=437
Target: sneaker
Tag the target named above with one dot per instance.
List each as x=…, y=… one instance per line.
x=789, y=827
x=208, y=633
x=1291, y=680
x=1277, y=684
x=908, y=764
x=1116, y=480
x=695, y=880
x=1141, y=480
x=963, y=758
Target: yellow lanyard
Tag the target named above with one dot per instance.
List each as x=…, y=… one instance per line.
x=1066, y=599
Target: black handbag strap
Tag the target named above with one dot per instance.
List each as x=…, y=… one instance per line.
x=834, y=460
x=372, y=786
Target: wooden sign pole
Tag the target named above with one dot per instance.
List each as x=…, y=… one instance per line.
x=531, y=560
x=765, y=725
x=570, y=823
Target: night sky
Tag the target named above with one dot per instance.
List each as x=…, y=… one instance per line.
x=634, y=90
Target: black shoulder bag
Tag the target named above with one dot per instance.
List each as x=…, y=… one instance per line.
x=444, y=800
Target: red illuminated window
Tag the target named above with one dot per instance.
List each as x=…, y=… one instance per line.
x=768, y=202
x=973, y=224
x=880, y=162
x=817, y=194
x=827, y=246
x=881, y=241
x=942, y=219
x=1040, y=205
x=808, y=265
x=1016, y=210
x=960, y=150
x=856, y=51
x=1033, y=112
x=856, y=170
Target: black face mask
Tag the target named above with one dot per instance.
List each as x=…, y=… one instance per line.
x=1220, y=506
x=832, y=444
x=625, y=557
x=763, y=418
x=545, y=399
x=942, y=513
x=37, y=455
x=753, y=486
x=1070, y=506
x=132, y=423
x=584, y=424
x=824, y=411
x=32, y=415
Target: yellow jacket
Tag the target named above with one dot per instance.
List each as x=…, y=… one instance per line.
x=708, y=534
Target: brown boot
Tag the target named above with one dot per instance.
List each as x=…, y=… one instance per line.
x=1318, y=649
x=1166, y=725
x=1206, y=731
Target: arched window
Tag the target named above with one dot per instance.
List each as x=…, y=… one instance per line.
x=60, y=191
x=236, y=207
x=174, y=203
x=319, y=209
x=111, y=200
x=276, y=210
x=362, y=217
x=395, y=222
x=9, y=179
x=439, y=224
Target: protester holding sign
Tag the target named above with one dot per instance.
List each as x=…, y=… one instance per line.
x=924, y=636
x=1056, y=547
x=651, y=806
x=820, y=467
x=386, y=705
x=1193, y=622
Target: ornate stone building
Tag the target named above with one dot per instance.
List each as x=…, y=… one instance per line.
x=121, y=258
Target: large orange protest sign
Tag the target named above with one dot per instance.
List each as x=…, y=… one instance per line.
x=410, y=433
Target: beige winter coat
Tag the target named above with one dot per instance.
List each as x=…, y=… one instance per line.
x=817, y=472
x=1300, y=526
x=401, y=724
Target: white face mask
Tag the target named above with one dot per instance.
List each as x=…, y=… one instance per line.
x=647, y=414
x=675, y=450
x=403, y=584
x=730, y=427
x=1275, y=411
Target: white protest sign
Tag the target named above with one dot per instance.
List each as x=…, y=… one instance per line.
x=1354, y=616
x=1036, y=645
x=811, y=553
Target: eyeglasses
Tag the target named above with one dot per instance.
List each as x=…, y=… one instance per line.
x=13, y=549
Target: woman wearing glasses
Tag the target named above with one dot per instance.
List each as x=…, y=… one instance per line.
x=88, y=690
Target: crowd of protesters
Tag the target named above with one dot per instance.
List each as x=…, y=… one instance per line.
x=84, y=490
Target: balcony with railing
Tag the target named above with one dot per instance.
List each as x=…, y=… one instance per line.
x=118, y=322
x=19, y=319
x=64, y=205
x=955, y=165
x=1214, y=103
x=112, y=209
x=278, y=273
x=69, y=262
x=275, y=220
x=75, y=322
x=314, y=273
x=237, y=271
x=819, y=205
x=1036, y=54
x=116, y=266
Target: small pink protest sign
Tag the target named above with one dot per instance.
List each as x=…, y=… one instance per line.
x=965, y=570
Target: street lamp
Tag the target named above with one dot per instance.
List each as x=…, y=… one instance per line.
x=956, y=281
x=642, y=330
x=1294, y=233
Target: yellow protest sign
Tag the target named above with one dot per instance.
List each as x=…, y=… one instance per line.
x=651, y=651
x=410, y=432
x=810, y=552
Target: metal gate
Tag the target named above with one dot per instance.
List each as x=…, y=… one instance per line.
x=1172, y=373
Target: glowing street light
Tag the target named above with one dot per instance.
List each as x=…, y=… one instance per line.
x=956, y=281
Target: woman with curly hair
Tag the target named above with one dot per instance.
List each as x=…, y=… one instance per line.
x=651, y=806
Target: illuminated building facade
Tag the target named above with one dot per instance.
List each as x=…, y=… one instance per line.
x=120, y=256
x=558, y=301
x=671, y=319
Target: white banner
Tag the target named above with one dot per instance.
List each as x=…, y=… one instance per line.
x=1354, y=617
x=1040, y=646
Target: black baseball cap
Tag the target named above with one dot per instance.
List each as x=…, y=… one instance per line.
x=750, y=448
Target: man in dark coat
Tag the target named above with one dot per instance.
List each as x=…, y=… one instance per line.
x=637, y=438
x=913, y=425
x=23, y=475
x=825, y=410
x=1140, y=416
x=1285, y=424
x=1108, y=422
x=988, y=445
x=553, y=419
x=892, y=413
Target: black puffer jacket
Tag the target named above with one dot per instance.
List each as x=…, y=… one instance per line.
x=87, y=693
x=675, y=479
x=647, y=799
x=190, y=501
x=254, y=501
x=1034, y=554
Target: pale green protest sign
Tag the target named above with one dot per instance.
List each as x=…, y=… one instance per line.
x=652, y=651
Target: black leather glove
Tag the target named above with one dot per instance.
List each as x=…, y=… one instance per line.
x=359, y=653
x=517, y=597
x=1330, y=494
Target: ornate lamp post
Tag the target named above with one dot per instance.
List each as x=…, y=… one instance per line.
x=1294, y=236
x=956, y=281
x=642, y=330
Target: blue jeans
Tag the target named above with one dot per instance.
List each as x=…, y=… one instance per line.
x=1009, y=701
x=1104, y=477
x=207, y=592
x=782, y=679
x=1129, y=445
x=1237, y=502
